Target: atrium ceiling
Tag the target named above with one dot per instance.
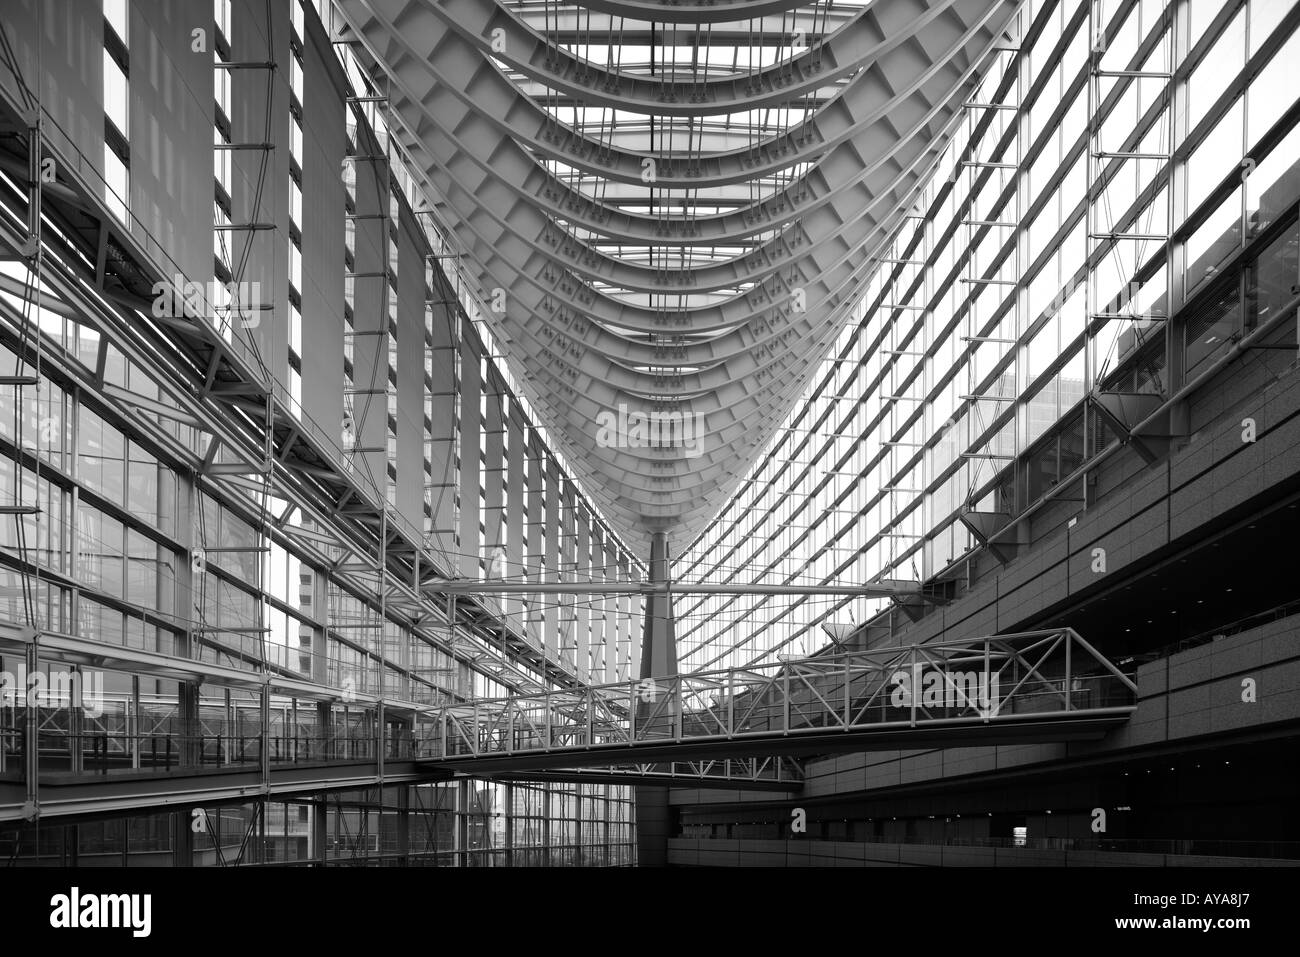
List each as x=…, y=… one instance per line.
x=671, y=207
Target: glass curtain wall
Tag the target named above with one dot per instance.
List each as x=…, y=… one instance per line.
x=1036, y=269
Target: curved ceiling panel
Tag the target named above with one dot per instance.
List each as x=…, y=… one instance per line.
x=644, y=274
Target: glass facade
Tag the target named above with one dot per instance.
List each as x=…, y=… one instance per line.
x=463, y=824
x=1106, y=175
x=246, y=624
x=256, y=520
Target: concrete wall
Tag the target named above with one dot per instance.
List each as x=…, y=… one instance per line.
x=1140, y=511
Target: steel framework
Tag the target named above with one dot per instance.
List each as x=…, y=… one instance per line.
x=664, y=273
x=1040, y=682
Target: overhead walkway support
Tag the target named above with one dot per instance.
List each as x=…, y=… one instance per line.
x=1032, y=686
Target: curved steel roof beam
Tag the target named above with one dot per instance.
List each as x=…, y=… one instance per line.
x=445, y=68
x=877, y=28
x=743, y=382
x=845, y=217
x=635, y=277
x=487, y=211
x=549, y=294
x=487, y=199
x=622, y=473
x=840, y=171
x=725, y=424
x=715, y=11
x=551, y=344
x=554, y=264
x=547, y=353
x=697, y=481
x=735, y=402
x=541, y=298
x=625, y=471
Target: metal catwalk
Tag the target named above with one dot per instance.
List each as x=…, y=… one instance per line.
x=1033, y=686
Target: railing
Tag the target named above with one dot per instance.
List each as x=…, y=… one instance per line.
x=107, y=751
x=1226, y=630
x=98, y=752
x=999, y=678
x=773, y=769
x=1034, y=676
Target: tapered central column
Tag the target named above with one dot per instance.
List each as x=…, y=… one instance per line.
x=657, y=707
x=658, y=632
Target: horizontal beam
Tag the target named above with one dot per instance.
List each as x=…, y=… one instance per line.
x=1083, y=725
x=636, y=776
x=461, y=586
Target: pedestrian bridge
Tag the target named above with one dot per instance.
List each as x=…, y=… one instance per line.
x=1001, y=689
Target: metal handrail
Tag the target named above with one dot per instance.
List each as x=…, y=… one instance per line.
x=994, y=678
